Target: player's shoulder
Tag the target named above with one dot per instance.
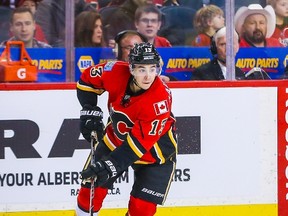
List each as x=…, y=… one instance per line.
x=160, y=85
x=109, y=67
x=112, y=65
x=159, y=91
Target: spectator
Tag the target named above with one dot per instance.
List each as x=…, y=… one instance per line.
x=33, y=4
x=148, y=22
x=22, y=26
x=123, y=18
x=88, y=30
x=125, y=41
x=51, y=16
x=216, y=69
x=256, y=25
x=207, y=21
x=281, y=29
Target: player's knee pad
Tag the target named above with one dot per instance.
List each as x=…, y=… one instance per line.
x=83, y=198
x=140, y=207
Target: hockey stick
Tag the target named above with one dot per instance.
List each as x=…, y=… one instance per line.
x=92, y=162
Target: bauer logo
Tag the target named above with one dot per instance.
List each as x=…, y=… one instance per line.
x=85, y=62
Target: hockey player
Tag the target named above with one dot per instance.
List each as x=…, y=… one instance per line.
x=140, y=131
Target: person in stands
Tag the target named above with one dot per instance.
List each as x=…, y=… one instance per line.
x=22, y=27
x=216, y=68
x=256, y=25
x=207, y=21
x=281, y=11
x=125, y=41
x=33, y=5
x=123, y=18
x=148, y=22
x=88, y=30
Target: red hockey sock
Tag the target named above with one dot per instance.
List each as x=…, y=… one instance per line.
x=83, y=199
x=139, y=207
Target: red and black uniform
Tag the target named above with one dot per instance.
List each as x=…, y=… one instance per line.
x=140, y=127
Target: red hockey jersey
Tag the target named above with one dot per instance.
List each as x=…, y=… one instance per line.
x=144, y=121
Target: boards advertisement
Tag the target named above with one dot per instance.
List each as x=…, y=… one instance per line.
x=228, y=146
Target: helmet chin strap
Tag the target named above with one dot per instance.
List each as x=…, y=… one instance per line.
x=136, y=83
x=134, y=80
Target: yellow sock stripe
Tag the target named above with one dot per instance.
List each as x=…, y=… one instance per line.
x=170, y=134
x=132, y=145
x=111, y=146
x=89, y=89
x=159, y=153
x=108, y=143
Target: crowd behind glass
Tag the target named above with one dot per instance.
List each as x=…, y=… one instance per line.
x=170, y=23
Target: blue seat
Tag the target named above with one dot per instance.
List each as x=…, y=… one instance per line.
x=238, y=3
x=177, y=24
x=5, y=14
x=106, y=13
x=195, y=4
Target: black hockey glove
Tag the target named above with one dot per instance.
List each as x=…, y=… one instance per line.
x=103, y=170
x=91, y=120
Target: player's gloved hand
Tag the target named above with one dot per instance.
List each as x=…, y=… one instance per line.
x=103, y=170
x=91, y=120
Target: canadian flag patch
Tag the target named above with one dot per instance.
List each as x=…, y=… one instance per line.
x=161, y=107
